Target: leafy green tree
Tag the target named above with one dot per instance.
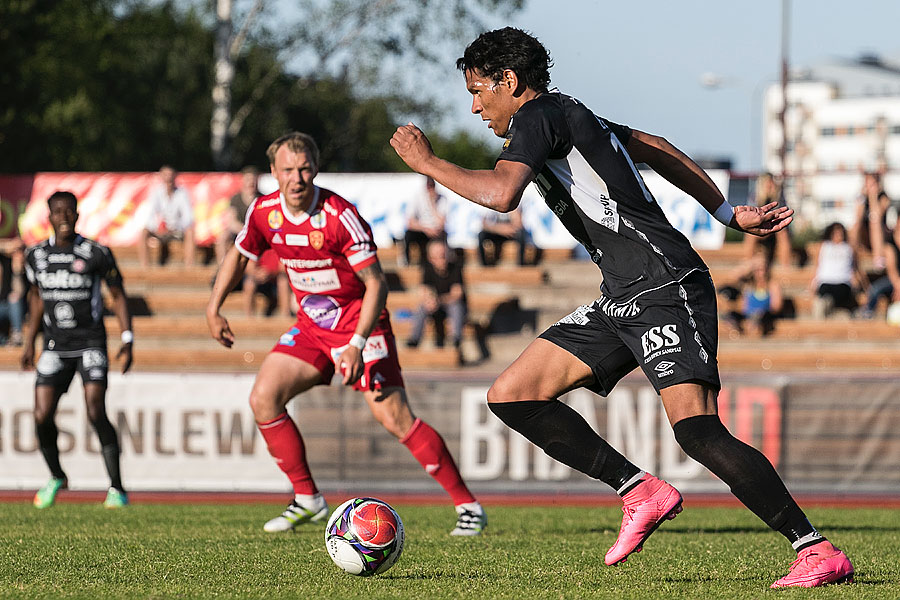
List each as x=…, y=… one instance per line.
x=389, y=49
x=122, y=85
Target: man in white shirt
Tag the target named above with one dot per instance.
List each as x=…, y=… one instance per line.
x=171, y=217
x=426, y=216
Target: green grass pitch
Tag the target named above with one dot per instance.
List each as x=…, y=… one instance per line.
x=209, y=551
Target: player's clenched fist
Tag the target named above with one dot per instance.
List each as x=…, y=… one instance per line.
x=412, y=146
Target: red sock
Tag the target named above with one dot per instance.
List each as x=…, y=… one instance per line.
x=429, y=448
x=286, y=447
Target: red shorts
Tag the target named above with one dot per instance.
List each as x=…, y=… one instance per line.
x=322, y=348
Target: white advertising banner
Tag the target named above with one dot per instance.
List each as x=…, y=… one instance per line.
x=685, y=214
x=382, y=200
x=177, y=432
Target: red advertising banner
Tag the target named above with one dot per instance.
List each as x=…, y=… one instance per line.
x=15, y=193
x=112, y=207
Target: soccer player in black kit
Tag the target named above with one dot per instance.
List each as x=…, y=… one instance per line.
x=657, y=310
x=65, y=273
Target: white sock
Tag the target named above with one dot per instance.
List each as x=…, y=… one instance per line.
x=309, y=501
x=631, y=482
x=809, y=539
x=474, y=507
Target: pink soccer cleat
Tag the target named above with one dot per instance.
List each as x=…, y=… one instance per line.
x=817, y=565
x=646, y=507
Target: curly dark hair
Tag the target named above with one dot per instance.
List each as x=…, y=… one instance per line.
x=64, y=196
x=509, y=48
x=826, y=235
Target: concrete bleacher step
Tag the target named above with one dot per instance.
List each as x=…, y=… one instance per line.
x=242, y=356
x=247, y=355
x=478, y=276
x=389, y=255
x=835, y=329
x=409, y=276
x=793, y=277
x=182, y=330
x=776, y=359
x=169, y=275
x=194, y=301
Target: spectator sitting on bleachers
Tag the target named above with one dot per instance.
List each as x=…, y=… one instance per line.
x=267, y=277
x=499, y=228
x=888, y=285
x=426, y=216
x=171, y=217
x=237, y=210
x=870, y=229
x=837, y=278
x=443, y=295
x=12, y=289
x=756, y=298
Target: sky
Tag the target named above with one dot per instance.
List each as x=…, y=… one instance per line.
x=641, y=63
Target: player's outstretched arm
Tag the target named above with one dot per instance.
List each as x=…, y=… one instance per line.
x=762, y=220
x=676, y=167
x=230, y=272
x=499, y=188
x=35, y=314
x=120, y=308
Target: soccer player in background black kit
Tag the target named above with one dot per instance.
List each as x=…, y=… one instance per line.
x=65, y=273
x=658, y=303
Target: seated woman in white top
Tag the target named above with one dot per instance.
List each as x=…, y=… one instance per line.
x=837, y=274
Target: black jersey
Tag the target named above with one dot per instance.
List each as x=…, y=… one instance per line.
x=590, y=182
x=68, y=278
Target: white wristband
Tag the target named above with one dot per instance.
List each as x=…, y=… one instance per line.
x=724, y=214
x=127, y=336
x=358, y=341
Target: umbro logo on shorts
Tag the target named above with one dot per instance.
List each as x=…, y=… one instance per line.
x=664, y=368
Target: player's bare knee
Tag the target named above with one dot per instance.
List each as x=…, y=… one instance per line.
x=504, y=389
x=264, y=405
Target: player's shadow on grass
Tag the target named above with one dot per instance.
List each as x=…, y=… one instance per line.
x=432, y=575
x=826, y=527
x=699, y=578
x=670, y=528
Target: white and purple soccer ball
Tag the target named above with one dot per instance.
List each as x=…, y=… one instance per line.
x=364, y=536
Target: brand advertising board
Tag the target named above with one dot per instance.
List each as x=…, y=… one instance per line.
x=196, y=432
x=113, y=206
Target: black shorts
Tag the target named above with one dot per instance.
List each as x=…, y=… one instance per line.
x=58, y=368
x=671, y=332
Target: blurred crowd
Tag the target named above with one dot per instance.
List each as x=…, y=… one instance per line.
x=855, y=271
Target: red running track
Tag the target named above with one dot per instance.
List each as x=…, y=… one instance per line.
x=819, y=500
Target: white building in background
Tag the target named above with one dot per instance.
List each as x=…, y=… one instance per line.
x=843, y=119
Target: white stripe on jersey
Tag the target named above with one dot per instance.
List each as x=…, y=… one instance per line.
x=617, y=145
x=243, y=232
x=591, y=194
x=355, y=259
x=357, y=232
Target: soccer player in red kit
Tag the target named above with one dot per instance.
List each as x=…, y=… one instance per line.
x=331, y=260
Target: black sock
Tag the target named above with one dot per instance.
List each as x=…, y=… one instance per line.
x=564, y=435
x=749, y=474
x=111, y=460
x=109, y=447
x=47, y=434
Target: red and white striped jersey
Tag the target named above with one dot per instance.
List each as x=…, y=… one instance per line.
x=321, y=249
